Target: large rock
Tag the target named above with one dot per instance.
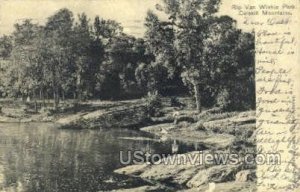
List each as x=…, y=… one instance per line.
x=226, y=187
x=177, y=174
x=217, y=174
x=123, y=116
x=187, y=133
x=132, y=169
x=143, y=189
x=174, y=169
x=177, y=169
x=160, y=128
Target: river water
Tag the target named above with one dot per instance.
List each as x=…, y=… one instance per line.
x=40, y=157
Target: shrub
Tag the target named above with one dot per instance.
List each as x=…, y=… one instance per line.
x=223, y=99
x=153, y=104
x=236, y=98
x=176, y=103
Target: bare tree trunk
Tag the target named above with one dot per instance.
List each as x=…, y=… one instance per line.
x=43, y=97
x=23, y=98
x=78, y=87
x=55, y=97
x=47, y=97
x=40, y=94
x=79, y=95
x=35, y=102
x=197, y=96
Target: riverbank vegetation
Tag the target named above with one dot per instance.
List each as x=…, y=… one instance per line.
x=192, y=52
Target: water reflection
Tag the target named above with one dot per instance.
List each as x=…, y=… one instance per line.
x=39, y=157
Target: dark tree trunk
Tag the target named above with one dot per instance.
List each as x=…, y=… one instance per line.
x=43, y=98
x=55, y=98
x=78, y=87
x=35, y=102
x=40, y=94
x=47, y=97
x=23, y=98
x=63, y=96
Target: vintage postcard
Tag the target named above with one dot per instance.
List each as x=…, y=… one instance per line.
x=149, y=95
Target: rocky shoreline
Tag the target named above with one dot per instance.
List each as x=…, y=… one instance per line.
x=218, y=131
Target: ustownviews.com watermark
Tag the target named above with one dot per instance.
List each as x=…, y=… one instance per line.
x=199, y=158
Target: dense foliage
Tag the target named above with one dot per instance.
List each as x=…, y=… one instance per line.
x=211, y=54
x=76, y=58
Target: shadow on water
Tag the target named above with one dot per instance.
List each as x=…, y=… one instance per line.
x=39, y=157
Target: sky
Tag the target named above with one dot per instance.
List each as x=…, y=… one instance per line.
x=130, y=13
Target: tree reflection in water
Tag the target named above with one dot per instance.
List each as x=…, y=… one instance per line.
x=39, y=157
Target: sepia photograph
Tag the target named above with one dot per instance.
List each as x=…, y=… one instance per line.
x=127, y=95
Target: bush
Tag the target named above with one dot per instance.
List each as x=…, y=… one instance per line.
x=153, y=104
x=47, y=111
x=236, y=98
x=223, y=99
x=176, y=103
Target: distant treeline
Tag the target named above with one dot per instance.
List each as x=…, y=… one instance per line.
x=193, y=51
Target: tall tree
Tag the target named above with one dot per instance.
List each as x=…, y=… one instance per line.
x=194, y=25
x=25, y=65
x=82, y=43
x=58, y=31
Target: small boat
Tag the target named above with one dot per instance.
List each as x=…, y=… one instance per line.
x=175, y=147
